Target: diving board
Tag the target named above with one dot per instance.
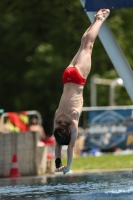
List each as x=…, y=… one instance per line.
x=111, y=46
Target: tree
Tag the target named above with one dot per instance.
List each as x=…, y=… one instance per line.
x=38, y=40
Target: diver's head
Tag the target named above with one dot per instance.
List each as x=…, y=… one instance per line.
x=62, y=135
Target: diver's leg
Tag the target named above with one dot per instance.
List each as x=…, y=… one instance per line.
x=82, y=60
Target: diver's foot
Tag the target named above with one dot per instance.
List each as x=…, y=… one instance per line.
x=102, y=14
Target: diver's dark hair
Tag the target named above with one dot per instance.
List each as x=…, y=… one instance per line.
x=62, y=135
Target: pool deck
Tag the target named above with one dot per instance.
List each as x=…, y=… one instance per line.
x=102, y=170
x=96, y=171
x=76, y=172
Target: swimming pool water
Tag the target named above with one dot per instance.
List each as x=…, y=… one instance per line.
x=106, y=186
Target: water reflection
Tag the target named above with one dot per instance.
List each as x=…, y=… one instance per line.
x=71, y=187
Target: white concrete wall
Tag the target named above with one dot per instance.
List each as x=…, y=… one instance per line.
x=31, y=159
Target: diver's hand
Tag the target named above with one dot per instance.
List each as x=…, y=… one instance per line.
x=63, y=169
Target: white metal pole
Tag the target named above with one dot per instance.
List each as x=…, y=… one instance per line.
x=93, y=92
x=112, y=95
x=115, y=53
x=114, y=83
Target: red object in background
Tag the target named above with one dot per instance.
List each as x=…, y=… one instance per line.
x=49, y=156
x=14, y=171
x=16, y=121
x=49, y=141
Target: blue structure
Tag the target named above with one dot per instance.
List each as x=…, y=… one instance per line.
x=95, y=5
x=109, y=127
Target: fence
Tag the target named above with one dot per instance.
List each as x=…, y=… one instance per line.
x=16, y=139
x=32, y=160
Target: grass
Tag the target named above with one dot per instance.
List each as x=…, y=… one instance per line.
x=107, y=161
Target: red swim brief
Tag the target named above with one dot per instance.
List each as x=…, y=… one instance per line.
x=72, y=75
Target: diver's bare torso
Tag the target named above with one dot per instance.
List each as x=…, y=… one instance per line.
x=71, y=103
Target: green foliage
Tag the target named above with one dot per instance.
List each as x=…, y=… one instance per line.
x=107, y=161
x=38, y=40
